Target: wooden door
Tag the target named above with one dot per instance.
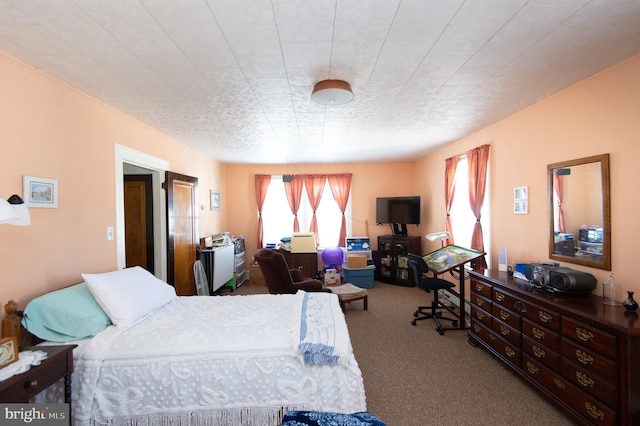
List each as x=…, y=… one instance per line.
x=138, y=221
x=182, y=231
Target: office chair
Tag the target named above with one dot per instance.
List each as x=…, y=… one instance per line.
x=432, y=285
x=202, y=285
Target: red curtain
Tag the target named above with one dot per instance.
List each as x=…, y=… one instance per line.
x=558, y=185
x=293, y=190
x=314, y=185
x=340, y=188
x=262, y=184
x=451, y=165
x=478, y=159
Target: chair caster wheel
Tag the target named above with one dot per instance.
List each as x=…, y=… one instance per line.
x=440, y=331
x=455, y=323
x=413, y=323
x=415, y=314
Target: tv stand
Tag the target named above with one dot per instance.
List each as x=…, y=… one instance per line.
x=399, y=229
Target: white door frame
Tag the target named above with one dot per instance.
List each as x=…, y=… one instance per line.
x=158, y=168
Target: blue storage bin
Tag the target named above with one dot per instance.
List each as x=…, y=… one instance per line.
x=362, y=277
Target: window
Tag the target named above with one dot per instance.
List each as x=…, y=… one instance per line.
x=277, y=218
x=462, y=218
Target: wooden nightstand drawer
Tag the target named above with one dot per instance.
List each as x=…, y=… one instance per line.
x=59, y=364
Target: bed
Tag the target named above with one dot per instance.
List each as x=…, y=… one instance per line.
x=223, y=360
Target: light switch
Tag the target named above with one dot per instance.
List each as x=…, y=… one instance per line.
x=110, y=233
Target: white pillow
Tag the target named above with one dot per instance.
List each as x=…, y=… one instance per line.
x=129, y=294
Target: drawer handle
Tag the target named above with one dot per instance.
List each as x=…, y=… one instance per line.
x=593, y=411
x=492, y=337
x=544, y=317
x=520, y=306
x=479, y=302
x=510, y=352
x=479, y=288
x=532, y=368
x=504, y=315
x=499, y=297
x=538, y=334
x=476, y=328
x=583, y=357
x=559, y=383
x=584, y=380
x=584, y=335
x=480, y=315
x=537, y=351
x=504, y=330
x=33, y=383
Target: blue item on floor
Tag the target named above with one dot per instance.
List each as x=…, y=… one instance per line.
x=319, y=418
x=362, y=277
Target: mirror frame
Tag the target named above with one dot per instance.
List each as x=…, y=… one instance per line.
x=606, y=212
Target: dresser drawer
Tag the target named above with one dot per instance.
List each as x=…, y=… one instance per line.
x=590, y=383
x=541, y=334
x=483, y=289
x=507, y=332
x=542, y=353
x=591, y=338
x=481, y=302
x=509, y=351
x=589, y=360
x=481, y=315
x=506, y=315
x=542, y=316
x=592, y=409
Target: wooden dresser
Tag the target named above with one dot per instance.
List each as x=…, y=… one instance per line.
x=582, y=355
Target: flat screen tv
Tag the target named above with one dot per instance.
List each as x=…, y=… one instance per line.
x=398, y=210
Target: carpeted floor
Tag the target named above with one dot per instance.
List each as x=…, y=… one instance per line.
x=414, y=376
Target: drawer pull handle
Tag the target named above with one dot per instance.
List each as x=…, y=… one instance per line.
x=510, y=352
x=33, y=383
x=504, y=330
x=520, y=306
x=532, y=368
x=538, y=334
x=544, y=317
x=499, y=297
x=584, y=380
x=479, y=302
x=583, y=357
x=492, y=337
x=559, y=383
x=504, y=315
x=593, y=411
x=476, y=328
x=480, y=315
x=537, y=351
x=584, y=335
x=479, y=288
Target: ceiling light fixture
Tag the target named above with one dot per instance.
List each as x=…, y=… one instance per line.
x=332, y=92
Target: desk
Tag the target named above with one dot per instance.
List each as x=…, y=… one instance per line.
x=447, y=259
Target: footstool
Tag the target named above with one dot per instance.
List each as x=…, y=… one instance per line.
x=348, y=293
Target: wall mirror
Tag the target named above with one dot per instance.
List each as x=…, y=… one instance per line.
x=579, y=211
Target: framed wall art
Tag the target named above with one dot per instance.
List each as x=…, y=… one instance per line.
x=40, y=192
x=520, y=200
x=215, y=200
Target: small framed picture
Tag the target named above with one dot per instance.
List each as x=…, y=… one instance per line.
x=520, y=207
x=40, y=192
x=521, y=193
x=8, y=351
x=215, y=200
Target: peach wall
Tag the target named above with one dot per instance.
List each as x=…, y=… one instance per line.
x=53, y=131
x=370, y=180
x=598, y=115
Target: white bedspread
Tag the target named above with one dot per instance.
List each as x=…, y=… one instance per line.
x=213, y=360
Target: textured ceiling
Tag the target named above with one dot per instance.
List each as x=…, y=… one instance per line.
x=233, y=78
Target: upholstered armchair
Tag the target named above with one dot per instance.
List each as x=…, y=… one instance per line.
x=280, y=279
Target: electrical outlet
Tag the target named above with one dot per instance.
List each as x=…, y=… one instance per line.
x=110, y=233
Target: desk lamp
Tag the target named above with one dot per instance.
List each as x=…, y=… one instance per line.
x=443, y=235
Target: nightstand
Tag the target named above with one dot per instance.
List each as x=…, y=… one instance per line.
x=58, y=365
